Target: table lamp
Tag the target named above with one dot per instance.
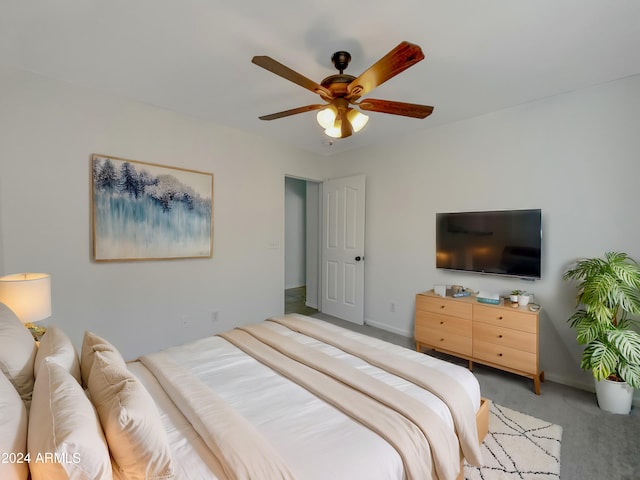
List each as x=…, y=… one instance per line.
x=29, y=296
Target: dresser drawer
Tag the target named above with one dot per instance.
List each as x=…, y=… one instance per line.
x=455, y=308
x=445, y=341
x=508, y=337
x=444, y=323
x=506, y=317
x=501, y=355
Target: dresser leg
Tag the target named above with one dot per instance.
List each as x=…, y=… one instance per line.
x=536, y=382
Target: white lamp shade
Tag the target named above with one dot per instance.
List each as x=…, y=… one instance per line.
x=326, y=117
x=357, y=119
x=334, y=131
x=28, y=295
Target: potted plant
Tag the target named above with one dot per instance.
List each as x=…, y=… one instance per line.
x=608, y=297
x=523, y=299
x=513, y=297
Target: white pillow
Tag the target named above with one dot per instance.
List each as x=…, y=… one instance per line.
x=130, y=420
x=92, y=343
x=17, y=352
x=13, y=433
x=57, y=346
x=65, y=439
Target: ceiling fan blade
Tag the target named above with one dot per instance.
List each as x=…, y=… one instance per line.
x=396, y=61
x=293, y=111
x=395, y=108
x=285, y=72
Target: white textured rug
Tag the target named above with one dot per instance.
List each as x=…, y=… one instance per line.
x=518, y=446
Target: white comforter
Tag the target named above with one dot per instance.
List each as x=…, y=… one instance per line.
x=314, y=440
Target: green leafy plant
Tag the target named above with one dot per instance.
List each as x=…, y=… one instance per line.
x=608, y=297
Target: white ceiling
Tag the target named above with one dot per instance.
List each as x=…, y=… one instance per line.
x=194, y=56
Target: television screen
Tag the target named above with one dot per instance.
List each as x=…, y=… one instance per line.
x=505, y=242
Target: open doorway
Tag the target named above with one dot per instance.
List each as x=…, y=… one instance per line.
x=301, y=246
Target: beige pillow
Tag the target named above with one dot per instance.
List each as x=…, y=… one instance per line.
x=13, y=433
x=130, y=420
x=65, y=438
x=92, y=343
x=57, y=346
x=17, y=352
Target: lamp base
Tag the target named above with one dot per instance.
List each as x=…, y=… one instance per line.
x=36, y=331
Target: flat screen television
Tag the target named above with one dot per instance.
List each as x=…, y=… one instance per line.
x=503, y=242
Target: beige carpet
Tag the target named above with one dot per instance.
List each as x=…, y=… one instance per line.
x=518, y=446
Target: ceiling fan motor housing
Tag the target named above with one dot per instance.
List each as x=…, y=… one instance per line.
x=341, y=60
x=338, y=83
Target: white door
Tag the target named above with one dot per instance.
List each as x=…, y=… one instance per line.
x=343, y=248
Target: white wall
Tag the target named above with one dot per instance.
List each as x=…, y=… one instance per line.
x=48, y=131
x=575, y=156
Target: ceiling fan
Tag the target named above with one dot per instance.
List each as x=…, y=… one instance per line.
x=342, y=91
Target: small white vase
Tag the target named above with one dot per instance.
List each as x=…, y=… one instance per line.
x=523, y=300
x=614, y=397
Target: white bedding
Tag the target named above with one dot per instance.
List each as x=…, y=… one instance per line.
x=315, y=440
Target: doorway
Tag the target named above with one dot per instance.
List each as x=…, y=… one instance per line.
x=301, y=246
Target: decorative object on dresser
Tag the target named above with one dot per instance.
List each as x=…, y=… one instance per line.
x=28, y=295
x=513, y=297
x=523, y=299
x=608, y=295
x=495, y=335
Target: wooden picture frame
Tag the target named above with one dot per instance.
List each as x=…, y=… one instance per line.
x=146, y=211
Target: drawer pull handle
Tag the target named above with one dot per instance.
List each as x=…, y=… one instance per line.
x=441, y=323
x=442, y=339
x=499, y=318
x=499, y=336
x=441, y=306
x=499, y=354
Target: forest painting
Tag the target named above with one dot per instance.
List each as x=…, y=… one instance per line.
x=143, y=211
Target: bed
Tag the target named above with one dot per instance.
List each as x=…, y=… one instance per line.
x=291, y=397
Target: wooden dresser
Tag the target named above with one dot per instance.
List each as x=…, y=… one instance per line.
x=500, y=336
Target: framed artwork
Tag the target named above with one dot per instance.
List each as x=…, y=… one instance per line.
x=144, y=211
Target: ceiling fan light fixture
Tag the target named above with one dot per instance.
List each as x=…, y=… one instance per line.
x=334, y=131
x=357, y=119
x=327, y=117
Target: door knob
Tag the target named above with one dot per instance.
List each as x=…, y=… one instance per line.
x=358, y=258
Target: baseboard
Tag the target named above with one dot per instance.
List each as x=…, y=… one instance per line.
x=388, y=328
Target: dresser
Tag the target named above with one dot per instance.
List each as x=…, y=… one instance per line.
x=499, y=336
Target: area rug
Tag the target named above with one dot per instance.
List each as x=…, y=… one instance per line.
x=518, y=446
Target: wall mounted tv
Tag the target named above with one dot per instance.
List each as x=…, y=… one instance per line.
x=503, y=242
